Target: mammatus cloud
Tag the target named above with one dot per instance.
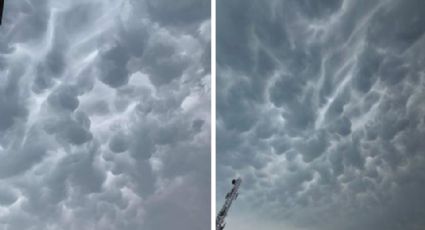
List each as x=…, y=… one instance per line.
x=104, y=115
x=321, y=111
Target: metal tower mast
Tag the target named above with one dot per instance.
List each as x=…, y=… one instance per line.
x=1, y=10
x=230, y=197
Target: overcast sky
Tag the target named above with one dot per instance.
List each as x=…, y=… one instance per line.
x=321, y=111
x=104, y=115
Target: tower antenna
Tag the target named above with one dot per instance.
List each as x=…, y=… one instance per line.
x=230, y=197
x=1, y=10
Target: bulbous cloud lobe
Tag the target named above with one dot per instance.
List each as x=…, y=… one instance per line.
x=104, y=115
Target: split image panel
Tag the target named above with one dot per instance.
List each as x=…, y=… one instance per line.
x=320, y=112
x=104, y=115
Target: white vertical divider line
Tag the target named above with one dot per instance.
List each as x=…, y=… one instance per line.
x=213, y=113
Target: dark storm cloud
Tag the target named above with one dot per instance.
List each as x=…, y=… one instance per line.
x=320, y=112
x=113, y=71
x=162, y=63
x=182, y=12
x=104, y=115
x=11, y=104
x=7, y=197
x=27, y=153
x=31, y=22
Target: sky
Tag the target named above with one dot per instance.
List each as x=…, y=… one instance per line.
x=321, y=112
x=105, y=115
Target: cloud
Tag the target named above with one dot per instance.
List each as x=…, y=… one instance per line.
x=104, y=115
x=320, y=112
x=179, y=13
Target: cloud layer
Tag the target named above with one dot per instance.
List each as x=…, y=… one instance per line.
x=321, y=111
x=104, y=115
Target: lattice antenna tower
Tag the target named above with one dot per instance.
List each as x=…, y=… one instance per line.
x=230, y=197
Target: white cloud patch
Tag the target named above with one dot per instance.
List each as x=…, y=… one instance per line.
x=104, y=115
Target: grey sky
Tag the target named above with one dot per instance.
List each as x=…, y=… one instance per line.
x=104, y=115
x=321, y=112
